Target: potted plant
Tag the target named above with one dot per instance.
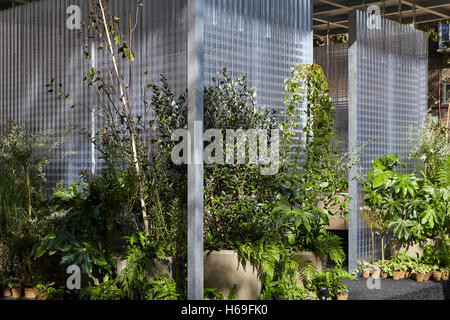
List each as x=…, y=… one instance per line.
x=398, y=270
x=41, y=290
x=55, y=294
x=341, y=291
x=436, y=273
x=364, y=268
x=445, y=273
x=419, y=272
x=14, y=285
x=5, y=288
x=29, y=292
x=429, y=272
x=376, y=270
x=386, y=270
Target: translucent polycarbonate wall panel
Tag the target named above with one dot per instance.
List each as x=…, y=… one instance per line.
x=387, y=99
x=260, y=39
x=333, y=59
x=36, y=46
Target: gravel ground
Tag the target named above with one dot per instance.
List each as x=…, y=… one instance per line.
x=404, y=289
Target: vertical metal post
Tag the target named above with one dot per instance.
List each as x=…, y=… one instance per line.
x=195, y=152
x=328, y=49
x=352, y=141
x=400, y=10
x=94, y=66
x=414, y=15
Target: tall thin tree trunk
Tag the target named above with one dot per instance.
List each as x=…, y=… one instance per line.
x=130, y=123
x=373, y=247
x=27, y=178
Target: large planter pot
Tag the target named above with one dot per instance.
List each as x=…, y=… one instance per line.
x=366, y=274
x=337, y=222
x=444, y=276
x=414, y=250
x=384, y=275
x=29, y=293
x=16, y=293
x=437, y=275
x=319, y=261
x=6, y=292
x=419, y=277
x=427, y=276
x=161, y=266
x=222, y=270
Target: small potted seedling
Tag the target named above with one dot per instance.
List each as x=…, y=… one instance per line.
x=364, y=268
x=429, y=272
x=14, y=285
x=341, y=291
x=445, y=273
x=399, y=270
x=5, y=288
x=41, y=291
x=55, y=294
x=419, y=272
x=386, y=269
x=376, y=270
x=437, y=274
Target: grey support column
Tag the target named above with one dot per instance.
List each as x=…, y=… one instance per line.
x=195, y=166
x=352, y=142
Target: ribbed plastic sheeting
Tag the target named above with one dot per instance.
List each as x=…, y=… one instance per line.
x=257, y=38
x=333, y=59
x=36, y=47
x=261, y=39
x=387, y=99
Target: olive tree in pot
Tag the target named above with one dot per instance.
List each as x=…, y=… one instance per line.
x=238, y=196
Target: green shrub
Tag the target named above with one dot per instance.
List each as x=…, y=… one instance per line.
x=162, y=287
x=108, y=290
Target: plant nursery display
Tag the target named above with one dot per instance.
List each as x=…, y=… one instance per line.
x=123, y=223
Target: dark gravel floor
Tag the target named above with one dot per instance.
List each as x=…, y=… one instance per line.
x=404, y=289
x=386, y=289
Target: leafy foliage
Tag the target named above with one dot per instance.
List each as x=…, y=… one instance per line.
x=312, y=171
x=161, y=288
x=84, y=235
x=414, y=208
x=107, y=290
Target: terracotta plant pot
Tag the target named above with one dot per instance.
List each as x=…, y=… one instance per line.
x=376, y=273
x=398, y=275
x=366, y=274
x=437, y=275
x=29, y=293
x=384, y=275
x=427, y=276
x=419, y=277
x=444, y=276
x=40, y=297
x=6, y=292
x=343, y=296
x=16, y=293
